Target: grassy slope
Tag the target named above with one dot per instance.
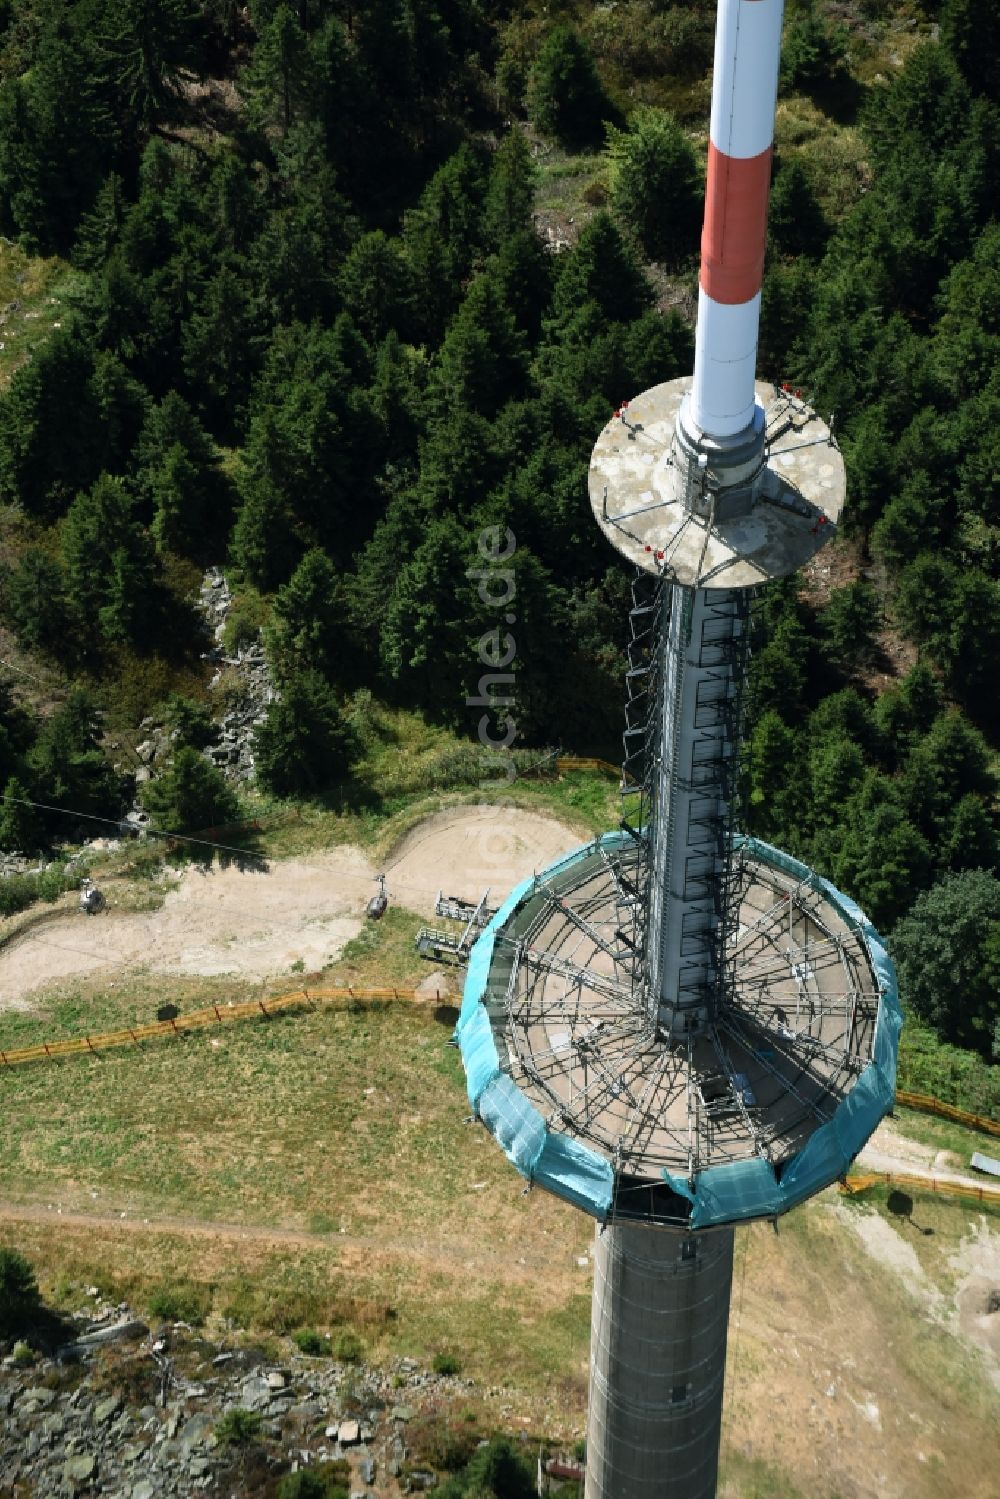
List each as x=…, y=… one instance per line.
x=423, y=1240
x=34, y=295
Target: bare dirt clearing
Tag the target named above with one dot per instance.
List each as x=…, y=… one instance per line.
x=467, y=849
x=977, y=1295
x=262, y=921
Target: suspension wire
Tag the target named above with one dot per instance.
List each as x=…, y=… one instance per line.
x=226, y=848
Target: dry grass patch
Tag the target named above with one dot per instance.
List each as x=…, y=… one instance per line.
x=34, y=295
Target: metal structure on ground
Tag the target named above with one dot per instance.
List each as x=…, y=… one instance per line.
x=677, y=1028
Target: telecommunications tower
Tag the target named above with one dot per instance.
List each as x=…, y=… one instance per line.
x=679, y=1028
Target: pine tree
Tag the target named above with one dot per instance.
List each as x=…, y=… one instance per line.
x=656, y=188
x=482, y=362
x=510, y=192
x=601, y=270
x=795, y=221
x=49, y=426
x=566, y=99
x=376, y=285
x=304, y=746
x=143, y=48
x=192, y=796
x=179, y=478
x=306, y=630
x=280, y=80
x=110, y=570
x=35, y=604
x=70, y=770
x=20, y=826
x=221, y=344
x=263, y=544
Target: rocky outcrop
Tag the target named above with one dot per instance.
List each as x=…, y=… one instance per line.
x=243, y=675
x=133, y=1415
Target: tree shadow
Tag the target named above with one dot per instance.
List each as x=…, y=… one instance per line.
x=841, y=97
x=900, y=1205
x=233, y=846
x=352, y=794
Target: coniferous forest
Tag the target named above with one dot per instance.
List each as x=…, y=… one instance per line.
x=329, y=290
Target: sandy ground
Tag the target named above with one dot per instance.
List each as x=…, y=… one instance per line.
x=469, y=849
x=977, y=1295
x=973, y=1312
x=258, y=924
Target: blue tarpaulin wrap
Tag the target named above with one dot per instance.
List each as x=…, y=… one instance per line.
x=752, y=1189
x=732, y=1193
x=563, y=1166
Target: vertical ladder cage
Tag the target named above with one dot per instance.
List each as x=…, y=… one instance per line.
x=648, y=618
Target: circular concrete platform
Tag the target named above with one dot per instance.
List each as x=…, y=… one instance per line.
x=636, y=494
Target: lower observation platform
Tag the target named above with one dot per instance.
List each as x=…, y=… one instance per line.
x=772, y=1103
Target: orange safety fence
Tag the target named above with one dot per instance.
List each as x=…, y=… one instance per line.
x=573, y=762
x=200, y=1019
x=928, y=1105
x=860, y=1181
x=250, y=1009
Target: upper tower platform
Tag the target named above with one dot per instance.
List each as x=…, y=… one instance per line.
x=711, y=512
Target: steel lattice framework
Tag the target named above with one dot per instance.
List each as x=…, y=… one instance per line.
x=575, y=1034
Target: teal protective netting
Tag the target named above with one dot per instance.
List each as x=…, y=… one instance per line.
x=754, y=1189
x=722, y=1194
x=567, y=1168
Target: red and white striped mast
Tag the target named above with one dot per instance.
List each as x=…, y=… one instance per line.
x=744, y=93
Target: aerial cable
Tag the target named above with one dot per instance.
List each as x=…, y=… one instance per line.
x=226, y=848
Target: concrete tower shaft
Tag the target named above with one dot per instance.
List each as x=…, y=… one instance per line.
x=659, y=1323
x=694, y=791
x=744, y=91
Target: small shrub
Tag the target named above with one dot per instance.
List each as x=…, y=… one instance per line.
x=180, y=1301
x=442, y=1444
x=445, y=1363
x=580, y=1450
x=19, y=891
x=325, y=1481
x=238, y=1427
x=20, y=1299
x=348, y=1348
x=307, y=1341
x=23, y=1355
x=247, y=617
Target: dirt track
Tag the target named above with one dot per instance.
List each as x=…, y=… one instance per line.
x=255, y=923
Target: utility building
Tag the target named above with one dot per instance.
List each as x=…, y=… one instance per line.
x=679, y=1028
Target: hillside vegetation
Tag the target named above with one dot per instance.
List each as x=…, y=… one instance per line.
x=331, y=295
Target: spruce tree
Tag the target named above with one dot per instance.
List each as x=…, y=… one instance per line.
x=305, y=745
x=566, y=99
x=657, y=186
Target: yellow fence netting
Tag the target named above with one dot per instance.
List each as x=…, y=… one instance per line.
x=214, y=1015
x=860, y=1181
x=224, y=1014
